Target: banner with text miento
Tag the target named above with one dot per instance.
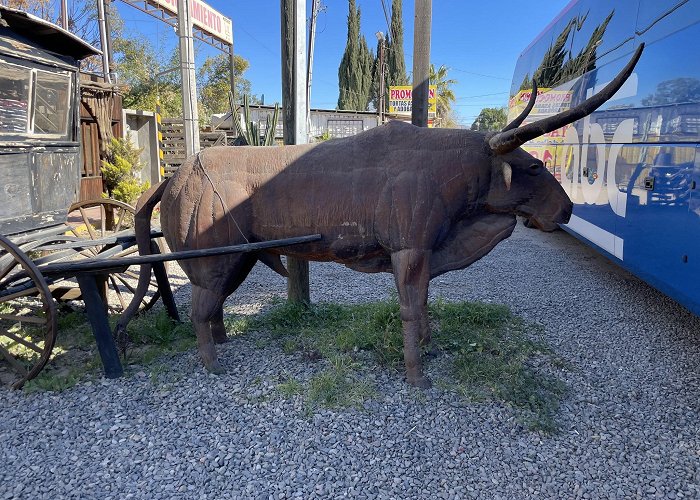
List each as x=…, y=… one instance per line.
x=204, y=17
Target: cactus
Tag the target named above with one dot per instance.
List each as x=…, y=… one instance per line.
x=250, y=132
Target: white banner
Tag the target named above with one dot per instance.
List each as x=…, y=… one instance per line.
x=204, y=17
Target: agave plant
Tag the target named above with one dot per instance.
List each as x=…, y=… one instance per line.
x=250, y=132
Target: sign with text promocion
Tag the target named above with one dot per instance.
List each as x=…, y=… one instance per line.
x=400, y=100
x=204, y=17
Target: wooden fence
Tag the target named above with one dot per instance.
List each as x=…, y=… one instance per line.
x=173, y=143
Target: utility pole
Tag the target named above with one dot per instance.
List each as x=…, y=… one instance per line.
x=64, y=14
x=187, y=73
x=103, y=39
x=294, y=108
x=315, y=7
x=380, y=37
x=421, y=62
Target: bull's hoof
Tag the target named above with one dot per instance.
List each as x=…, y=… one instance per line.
x=214, y=367
x=422, y=382
x=220, y=339
x=431, y=353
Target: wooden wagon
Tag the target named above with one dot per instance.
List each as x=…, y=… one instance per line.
x=51, y=246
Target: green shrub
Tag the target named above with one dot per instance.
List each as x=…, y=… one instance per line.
x=120, y=170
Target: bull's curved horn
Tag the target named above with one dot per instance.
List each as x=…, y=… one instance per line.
x=504, y=142
x=521, y=117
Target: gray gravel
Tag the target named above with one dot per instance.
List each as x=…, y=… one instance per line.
x=630, y=424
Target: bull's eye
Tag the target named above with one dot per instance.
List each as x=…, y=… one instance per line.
x=535, y=168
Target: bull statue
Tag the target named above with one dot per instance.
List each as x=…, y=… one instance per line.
x=415, y=202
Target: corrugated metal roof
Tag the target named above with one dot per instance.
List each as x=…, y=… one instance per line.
x=51, y=37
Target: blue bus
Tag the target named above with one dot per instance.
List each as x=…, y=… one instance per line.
x=632, y=168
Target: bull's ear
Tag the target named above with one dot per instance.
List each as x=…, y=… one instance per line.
x=507, y=174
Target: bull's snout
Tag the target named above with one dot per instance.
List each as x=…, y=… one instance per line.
x=551, y=223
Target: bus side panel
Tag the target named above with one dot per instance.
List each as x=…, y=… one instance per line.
x=661, y=234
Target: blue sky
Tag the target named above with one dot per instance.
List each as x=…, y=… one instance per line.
x=478, y=40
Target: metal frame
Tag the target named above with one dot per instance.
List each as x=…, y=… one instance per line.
x=171, y=19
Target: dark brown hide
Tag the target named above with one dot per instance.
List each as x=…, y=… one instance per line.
x=413, y=201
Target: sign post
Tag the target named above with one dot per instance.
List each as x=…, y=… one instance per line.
x=190, y=113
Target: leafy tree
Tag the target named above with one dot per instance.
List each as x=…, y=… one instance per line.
x=355, y=70
x=490, y=119
x=674, y=91
x=445, y=95
x=214, y=83
x=137, y=66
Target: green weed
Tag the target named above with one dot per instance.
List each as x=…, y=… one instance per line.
x=490, y=352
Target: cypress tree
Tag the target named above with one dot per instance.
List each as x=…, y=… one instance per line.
x=356, y=66
x=395, y=59
x=349, y=64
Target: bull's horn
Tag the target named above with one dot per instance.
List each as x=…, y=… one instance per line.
x=521, y=117
x=507, y=175
x=504, y=142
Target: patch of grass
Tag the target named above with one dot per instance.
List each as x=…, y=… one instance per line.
x=290, y=387
x=492, y=359
x=154, y=335
x=58, y=379
x=331, y=329
x=491, y=352
x=75, y=356
x=338, y=387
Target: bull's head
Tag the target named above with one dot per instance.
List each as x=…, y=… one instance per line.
x=520, y=183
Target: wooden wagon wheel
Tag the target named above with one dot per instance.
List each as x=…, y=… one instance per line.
x=28, y=321
x=96, y=219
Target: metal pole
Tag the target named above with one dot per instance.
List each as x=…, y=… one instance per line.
x=421, y=62
x=187, y=72
x=380, y=35
x=310, y=66
x=300, y=102
x=103, y=39
x=108, y=31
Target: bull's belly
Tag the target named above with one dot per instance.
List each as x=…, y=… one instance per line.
x=344, y=248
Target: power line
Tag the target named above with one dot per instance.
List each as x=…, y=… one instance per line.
x=480, y=74
x=482, y=95
x=276, y=54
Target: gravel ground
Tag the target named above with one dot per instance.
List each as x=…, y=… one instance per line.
x=629, y=426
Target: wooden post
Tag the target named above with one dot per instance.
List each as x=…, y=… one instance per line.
x=294, y=106
x=421, y=62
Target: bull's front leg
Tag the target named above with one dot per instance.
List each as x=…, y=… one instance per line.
x=412, y=274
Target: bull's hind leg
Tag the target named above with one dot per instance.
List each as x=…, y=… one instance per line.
x=412, y=274
x=205, y=306
x=218, y=329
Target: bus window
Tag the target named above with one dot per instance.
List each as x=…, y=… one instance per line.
x=52, y=103
x=670, y=87
x=15, y=84
x=660, y=18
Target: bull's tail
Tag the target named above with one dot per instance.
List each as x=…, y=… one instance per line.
x=142, y=224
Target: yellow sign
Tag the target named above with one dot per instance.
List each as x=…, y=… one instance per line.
x=400, y=100
x=549, y=102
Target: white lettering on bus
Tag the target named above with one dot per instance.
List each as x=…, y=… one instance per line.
x=575, y=157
